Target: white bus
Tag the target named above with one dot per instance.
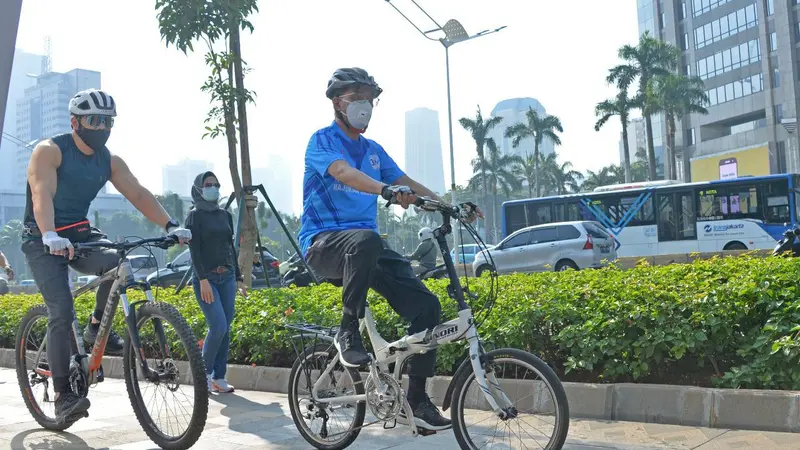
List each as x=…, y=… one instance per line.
x=669, y=217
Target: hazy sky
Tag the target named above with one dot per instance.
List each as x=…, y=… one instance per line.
x=555, y=51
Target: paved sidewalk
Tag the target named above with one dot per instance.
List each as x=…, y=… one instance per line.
x=250, y=419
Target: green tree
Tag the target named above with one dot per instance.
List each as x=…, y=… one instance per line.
x=497, y=170
x=608, y=175
x=526, y=171
x=11, y=245
x=620, y=106
x=649, y=59
x=537, y=129
x=561, y=178
x=675, y=96
x=217, y=23
x=479, y=129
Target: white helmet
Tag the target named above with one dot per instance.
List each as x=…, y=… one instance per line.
x=92, y=101
x=425, y=233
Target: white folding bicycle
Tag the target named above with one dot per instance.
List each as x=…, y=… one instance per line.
x=328, y=401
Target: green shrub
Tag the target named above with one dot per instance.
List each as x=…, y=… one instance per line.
x=726, y=322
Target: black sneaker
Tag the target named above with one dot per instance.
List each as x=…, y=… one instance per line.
x=351, y=348
x=427, y=415
x=114, y=343
x=70, y=406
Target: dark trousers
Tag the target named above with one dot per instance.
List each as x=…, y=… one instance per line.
x=358, y=259
x=51, y=275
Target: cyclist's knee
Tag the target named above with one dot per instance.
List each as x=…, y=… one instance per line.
x=431, y=310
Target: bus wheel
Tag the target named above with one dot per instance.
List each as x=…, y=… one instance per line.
x=735, y=245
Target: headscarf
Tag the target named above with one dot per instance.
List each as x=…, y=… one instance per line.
x=197, y=193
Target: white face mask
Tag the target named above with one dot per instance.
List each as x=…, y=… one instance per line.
x=358, y=114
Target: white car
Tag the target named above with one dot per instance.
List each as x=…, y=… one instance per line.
x=554, y=246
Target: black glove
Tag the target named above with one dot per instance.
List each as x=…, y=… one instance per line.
x=390, y=193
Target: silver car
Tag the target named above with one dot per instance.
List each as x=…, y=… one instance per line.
x=555, y=246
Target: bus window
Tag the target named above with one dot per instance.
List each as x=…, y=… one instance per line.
x=743, y=202
x=539, y=213
x=644, y=216
x=711, y=204
x=567, y=212
x=515, y=217
x=667, y=228
x=776, y=196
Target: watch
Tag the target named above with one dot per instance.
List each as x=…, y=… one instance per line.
x=172, y=224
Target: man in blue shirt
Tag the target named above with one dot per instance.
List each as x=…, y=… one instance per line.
x=344, y=174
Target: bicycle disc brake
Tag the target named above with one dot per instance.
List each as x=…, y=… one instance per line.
x=384, y=396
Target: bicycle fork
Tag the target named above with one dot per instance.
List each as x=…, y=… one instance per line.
x=498, y=400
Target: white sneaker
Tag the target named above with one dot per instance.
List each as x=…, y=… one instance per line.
x=221, y=386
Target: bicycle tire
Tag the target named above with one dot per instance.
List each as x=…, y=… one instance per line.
x=549, y=376
x=294, y=407
x=22, y=374
x=130, y=363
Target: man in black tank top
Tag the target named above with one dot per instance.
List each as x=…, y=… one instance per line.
x=64, y=176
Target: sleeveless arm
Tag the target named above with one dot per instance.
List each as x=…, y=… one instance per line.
x=43, y=180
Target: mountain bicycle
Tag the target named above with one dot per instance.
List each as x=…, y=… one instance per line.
x=169, y=369
x=481, y=389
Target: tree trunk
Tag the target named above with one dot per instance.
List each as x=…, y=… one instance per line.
x=248, y=233
x=483, y=179
x=626, y=153
x=536, y=166
x=673, y=170
x=494, y=212
x=651, y=152
x=687, y=170
x=229, y=106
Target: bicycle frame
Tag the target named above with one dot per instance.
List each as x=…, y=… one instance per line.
x=399, y=351
x=123, y=280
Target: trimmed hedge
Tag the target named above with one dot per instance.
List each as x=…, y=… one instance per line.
x=730, y=322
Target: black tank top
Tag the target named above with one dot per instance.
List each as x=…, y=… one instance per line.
x=80, y=178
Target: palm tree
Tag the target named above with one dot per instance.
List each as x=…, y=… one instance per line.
x=606, y=176
x=498, y=170
x=561, y=177
x=537, y=128
x=11, y=243
x=676, y=96
x=526, y=171
x=479, y=129
x=620, y=106
x=651, y=58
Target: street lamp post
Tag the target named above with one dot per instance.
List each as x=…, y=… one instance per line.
x=454, y=33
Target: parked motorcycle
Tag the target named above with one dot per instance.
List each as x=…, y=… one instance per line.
x=788, y=243
x=297, y=274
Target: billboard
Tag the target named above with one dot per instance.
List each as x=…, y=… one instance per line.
x=751, y=161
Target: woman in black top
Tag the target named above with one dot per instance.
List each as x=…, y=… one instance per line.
x=216, y=275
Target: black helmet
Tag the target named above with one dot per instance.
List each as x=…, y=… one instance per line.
x=346, y=77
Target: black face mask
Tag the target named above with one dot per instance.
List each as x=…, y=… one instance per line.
x=95, y=139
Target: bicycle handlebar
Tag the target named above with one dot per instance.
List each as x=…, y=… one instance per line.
x=162, y=242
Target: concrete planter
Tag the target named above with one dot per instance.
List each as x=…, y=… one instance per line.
x=652, y=403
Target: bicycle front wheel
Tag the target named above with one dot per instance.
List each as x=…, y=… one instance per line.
x=181, y=378
x=540, y=411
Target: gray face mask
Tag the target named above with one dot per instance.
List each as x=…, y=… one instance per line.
x=358, y=114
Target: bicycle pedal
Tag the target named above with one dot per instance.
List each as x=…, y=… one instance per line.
x=76, y=417
x=425, y=432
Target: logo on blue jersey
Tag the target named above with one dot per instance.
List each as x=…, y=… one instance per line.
x=375, y=161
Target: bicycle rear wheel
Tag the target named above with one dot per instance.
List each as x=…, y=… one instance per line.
x=321, y=424
x=33, y=370
x=538, y=398
x=181, y=362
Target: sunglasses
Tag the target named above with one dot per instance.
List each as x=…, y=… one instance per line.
x=95, y=120
x=216, y=185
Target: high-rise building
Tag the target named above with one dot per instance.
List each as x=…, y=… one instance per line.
x=637, y=138
x=744, y=51
x=514, y=111
x=423, y=161
x=43, y=112
x=25, y=68
x=277, y=180
x=179, y=178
